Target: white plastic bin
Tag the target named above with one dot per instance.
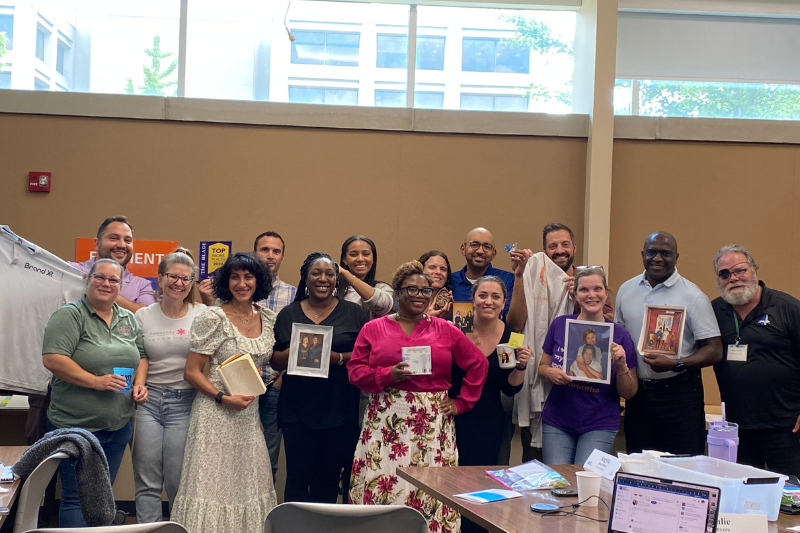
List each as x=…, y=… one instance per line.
x=744, y=489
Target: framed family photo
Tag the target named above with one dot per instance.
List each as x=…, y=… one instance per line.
x=662, y=330
x=310, y=350
x=587, y=351
x=463, y=313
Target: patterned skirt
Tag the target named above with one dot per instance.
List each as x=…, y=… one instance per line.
x=403, y=428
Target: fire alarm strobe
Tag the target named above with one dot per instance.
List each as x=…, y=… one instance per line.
x=39, y=181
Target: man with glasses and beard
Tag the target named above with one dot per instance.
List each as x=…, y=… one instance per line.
x=668, y=411
x=759, y=375
x=478, y=250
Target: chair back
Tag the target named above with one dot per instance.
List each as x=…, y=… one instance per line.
x=157, y=527
x=32, y=493
x=335, y=518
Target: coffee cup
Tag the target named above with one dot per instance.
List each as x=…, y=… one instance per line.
x=588, y=486
x=506, y=356
x=126, y=373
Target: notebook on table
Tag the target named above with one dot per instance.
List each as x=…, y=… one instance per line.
x=643, y=504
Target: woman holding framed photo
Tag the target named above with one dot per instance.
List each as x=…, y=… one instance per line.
x=577, y=418
x=318, y=416
x=409, y=419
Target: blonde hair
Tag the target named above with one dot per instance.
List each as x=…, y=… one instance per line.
x=181, y=256
x=405, y=271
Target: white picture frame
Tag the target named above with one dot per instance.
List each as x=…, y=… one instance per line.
x=576, y=333
x=310, y=350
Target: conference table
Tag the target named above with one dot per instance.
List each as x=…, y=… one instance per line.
x=8, y=456
x=515, y=515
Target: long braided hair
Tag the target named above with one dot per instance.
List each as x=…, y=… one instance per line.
x=302, y=288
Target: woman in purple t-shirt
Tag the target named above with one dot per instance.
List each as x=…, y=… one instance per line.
x=577, y=418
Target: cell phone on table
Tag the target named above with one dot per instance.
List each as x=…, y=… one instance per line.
x=564, y=492
x=4, y=511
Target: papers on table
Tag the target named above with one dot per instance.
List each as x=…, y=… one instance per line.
x=16, y=401
x=488, y=495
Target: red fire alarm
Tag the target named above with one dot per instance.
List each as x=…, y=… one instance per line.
x=39, y=181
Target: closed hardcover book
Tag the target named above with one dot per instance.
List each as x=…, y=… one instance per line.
x=241, y=377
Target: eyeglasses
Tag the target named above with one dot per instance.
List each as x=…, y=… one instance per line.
x=738, y=272
x=412, y=290
x=176, y=278
x=579, y=268
x=474, y=245
x=100, y=279
x=650, y=253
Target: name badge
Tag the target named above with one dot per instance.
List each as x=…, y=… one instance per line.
x=737, y=353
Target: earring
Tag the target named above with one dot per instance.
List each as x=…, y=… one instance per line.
x=306, y=291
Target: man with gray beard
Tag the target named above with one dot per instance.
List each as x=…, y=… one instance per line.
x=759, y=375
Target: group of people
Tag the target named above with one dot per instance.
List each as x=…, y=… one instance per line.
x=216, y=453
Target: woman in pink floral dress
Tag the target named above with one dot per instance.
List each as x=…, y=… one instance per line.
x=409, y=420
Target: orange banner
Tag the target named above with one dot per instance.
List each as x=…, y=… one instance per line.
x=146, y=255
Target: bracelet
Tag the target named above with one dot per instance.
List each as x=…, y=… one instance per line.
x=523, y=368
x=341, y=359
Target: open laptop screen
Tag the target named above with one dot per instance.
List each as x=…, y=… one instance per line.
x=643, y=504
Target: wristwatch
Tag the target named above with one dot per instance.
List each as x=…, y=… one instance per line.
x=680, y=366
x=218, y=397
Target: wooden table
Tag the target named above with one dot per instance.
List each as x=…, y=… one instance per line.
x=8, y=456
x=515, y=515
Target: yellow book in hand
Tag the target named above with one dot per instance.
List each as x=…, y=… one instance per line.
x=240, y=376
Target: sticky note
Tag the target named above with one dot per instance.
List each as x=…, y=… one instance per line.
x=516, y=340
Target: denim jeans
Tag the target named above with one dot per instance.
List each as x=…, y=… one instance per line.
x=566, y=448
x=268, y=412
x=113, y=444
x=162, y=424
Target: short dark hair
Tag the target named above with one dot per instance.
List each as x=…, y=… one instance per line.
x=102, y=229
x=269, y=234
x=555, y=226
x=448, y=283
x=243, y=261
x=405, y=271
x=369, y=279
x=302, y=287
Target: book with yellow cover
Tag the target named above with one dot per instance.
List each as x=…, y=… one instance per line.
x=240, y=376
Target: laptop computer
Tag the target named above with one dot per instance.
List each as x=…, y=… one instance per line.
x=643, y=504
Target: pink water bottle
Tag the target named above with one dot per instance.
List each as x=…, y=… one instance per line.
x=723, y=439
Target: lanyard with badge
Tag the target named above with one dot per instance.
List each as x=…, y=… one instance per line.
x=737, y=352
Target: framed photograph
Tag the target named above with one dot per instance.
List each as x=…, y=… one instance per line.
x=310, y=350
x=662, y=330
x=463, y=314
x=587, y=351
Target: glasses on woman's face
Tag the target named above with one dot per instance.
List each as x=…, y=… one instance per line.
x=413, y=290
x=101, y=279
x=175, y=278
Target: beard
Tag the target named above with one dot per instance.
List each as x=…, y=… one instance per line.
x=744, y=292
x=568, y=264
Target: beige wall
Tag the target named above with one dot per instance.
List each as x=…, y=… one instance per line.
x=409, y=192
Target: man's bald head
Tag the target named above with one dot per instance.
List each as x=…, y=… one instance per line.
x=479, y=248
x=661, y=236
x=659, y=255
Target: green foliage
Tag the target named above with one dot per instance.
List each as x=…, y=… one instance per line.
x=537, y=35
x=719, y=100
x=154, y=79
x=3, y=40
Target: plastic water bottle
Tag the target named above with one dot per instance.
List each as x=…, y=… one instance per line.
x=723, y=439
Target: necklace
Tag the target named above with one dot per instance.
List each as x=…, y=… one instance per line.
x=243, y=320
x=398, y=316
x=316, y=315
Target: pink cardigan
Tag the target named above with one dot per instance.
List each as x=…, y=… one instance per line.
x=379, y=347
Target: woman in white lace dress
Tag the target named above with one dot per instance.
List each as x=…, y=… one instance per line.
x=226, y=483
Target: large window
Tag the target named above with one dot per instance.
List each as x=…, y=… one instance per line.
x=323, y=95
x=392, y=51
x=5, y=80
x=62, y=57
x=494, y=55
x=321, y=48
x=665, y=98
x=7, y=27
x=430, y=52
x=42, y=42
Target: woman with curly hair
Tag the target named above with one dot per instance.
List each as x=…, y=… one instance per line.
x=409, y=420
x=226, y=482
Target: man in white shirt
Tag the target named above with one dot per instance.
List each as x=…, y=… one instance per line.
x=270, y=247
x=668, y=412
x=115, y=241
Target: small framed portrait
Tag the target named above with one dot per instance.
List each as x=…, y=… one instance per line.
x=587, y=351
x=310, y=350
x=662, y=330
x=463, y=314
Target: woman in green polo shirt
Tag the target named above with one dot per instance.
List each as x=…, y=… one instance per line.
x=83, y=342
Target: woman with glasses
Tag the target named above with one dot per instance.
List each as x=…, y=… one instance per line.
x=576, y=420
x=319, y=417
x=84, y=342
x=409, y=420
x=226, y=479
x=358, y=264
x=162, y=423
